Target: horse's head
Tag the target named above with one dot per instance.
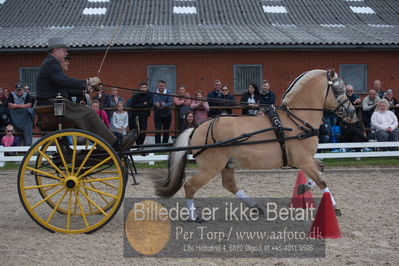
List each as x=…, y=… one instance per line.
x=337, y=100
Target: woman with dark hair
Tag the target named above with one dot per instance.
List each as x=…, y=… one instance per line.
x=189, y=121
x=251, y=99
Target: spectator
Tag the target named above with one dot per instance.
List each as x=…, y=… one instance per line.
x=330, y=118
x=113, y=100
x=214, y=94
x=162, y=113
x=352, y=131
x=101, y=97
x=182, y=105
x=385, y=123
x=189, y=121
x=226, y=99
x=324, y=132
x=369, y=104
x=354, y=98
x=27, y=90
x=9, y=139
x=120, y=119
x=4, y=113
x=392, y=102
x=21, y=112
x=6, y=93
x=95, y=105
x=200, y=108
x=251, y=99
x=377, y=86
x=140, y=100
x=266, y=96
x=120, y=122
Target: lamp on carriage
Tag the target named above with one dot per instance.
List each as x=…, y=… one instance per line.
x=59, y=106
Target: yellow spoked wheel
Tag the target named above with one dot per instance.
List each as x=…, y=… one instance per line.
x=41, y=163
x=71, y=181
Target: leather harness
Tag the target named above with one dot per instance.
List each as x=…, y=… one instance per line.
x=307, y=130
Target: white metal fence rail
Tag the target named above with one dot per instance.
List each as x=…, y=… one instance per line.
x=329, y=150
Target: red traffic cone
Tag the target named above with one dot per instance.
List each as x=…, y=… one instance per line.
x=325, y=224
x=305, y=200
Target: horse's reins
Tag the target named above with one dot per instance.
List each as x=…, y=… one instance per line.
x=216, y=100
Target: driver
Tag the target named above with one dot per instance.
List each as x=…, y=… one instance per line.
x=52, y=80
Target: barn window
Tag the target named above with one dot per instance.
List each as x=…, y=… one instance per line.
x=28, y=76
x=356, y=75
x=245, y=74
x=162, y=72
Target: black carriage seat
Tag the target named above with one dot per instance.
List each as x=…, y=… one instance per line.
x=47, y=121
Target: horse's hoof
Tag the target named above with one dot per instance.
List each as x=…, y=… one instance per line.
x=302, y=189
x=258, y=209
x=338, y=212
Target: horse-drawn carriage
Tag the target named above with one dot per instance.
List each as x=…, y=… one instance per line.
x=72, y=181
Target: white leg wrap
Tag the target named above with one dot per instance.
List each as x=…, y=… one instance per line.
x=191, y=209
x=310, y=183
x=332, y=198
x=240, y=194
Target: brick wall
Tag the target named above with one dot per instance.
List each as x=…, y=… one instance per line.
x=198, y=69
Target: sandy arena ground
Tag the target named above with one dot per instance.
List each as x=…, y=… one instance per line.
x=369, y=225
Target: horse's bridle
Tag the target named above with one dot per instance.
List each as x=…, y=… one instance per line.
x=342, y=109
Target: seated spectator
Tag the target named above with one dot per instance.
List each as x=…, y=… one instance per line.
x=385, y=123
x=182, y=105
x=9, y=139
x=200, y=108
x=352, y=131
x=377, y=86
x=21, y=112
x=226, y=99
x=141, y=100
x=266, y=95
x=251, y=99
x=369, y=104
x=95, y=105
x=189, y=121
x=392, y=102
x=214, y=94
x=330, y=118
x=354, y=98
x=324, y=133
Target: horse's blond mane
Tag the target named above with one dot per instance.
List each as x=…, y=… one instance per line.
x=294, y=88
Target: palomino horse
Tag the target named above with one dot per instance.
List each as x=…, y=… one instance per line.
x=303, y=105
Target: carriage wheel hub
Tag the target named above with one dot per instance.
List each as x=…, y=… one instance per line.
x=71, y=182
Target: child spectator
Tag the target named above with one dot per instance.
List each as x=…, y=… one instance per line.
x=9, y=139
x=120, y=119
x=200, y=108
x=95, y=105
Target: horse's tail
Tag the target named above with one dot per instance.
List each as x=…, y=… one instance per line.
x=168, y=186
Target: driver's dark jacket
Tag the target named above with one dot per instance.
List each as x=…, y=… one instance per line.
x=52, y=80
